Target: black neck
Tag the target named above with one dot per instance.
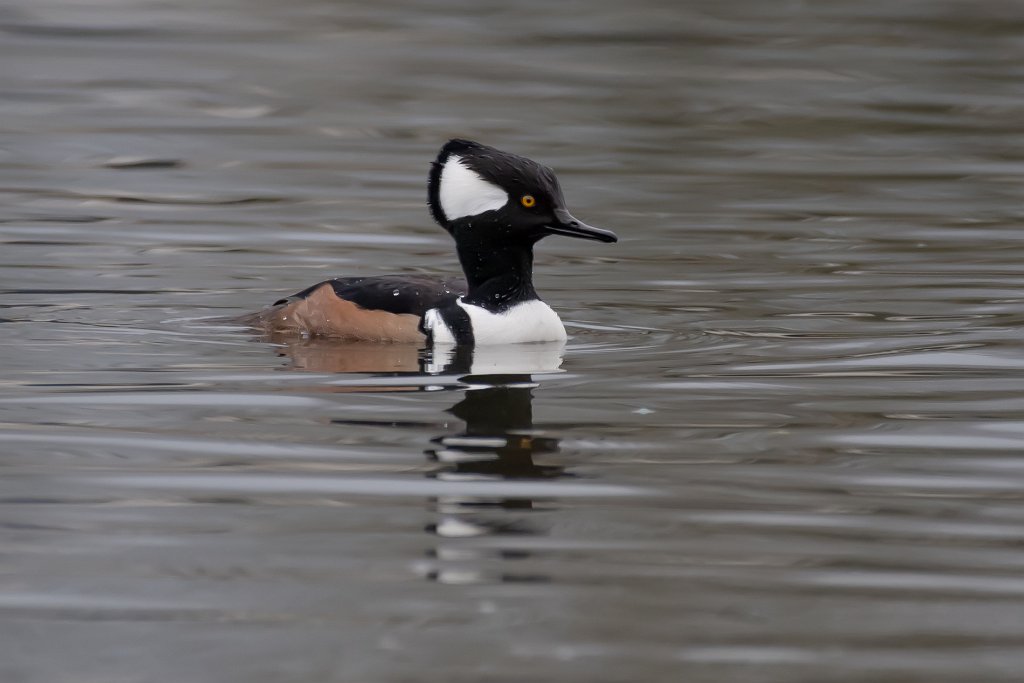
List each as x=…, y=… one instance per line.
x=498, y=276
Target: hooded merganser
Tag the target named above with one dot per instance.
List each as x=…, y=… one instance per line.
x=497, y=206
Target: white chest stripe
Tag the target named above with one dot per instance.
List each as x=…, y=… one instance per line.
x=530, y=321
x=439, y=330
x=464, y=193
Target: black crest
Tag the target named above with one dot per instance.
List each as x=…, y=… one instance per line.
x=515, y=174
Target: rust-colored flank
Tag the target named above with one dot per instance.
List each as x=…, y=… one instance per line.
x=324, y=314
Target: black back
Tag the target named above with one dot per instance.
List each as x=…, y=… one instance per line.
x=400, y=294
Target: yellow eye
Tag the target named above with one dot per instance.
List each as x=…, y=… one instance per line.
x=528, y=201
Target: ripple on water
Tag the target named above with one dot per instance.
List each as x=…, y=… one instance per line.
x=782, y=443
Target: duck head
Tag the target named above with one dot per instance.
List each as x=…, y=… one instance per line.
x=481, y=194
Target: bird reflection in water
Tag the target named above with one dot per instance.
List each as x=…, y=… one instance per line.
x=478, y=539
x=497, y=443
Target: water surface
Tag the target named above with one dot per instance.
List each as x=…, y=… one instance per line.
x=782, y=444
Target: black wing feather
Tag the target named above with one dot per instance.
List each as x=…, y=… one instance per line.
x=401, y=294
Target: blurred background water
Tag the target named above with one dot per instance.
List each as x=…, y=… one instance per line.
x=784, y=441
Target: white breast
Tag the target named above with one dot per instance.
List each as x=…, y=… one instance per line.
x=530, y=321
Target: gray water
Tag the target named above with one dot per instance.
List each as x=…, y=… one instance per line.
x=784, y=440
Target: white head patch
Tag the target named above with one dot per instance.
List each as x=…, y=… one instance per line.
x=464, y=193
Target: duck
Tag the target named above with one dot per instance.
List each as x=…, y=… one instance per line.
x=496, y=206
